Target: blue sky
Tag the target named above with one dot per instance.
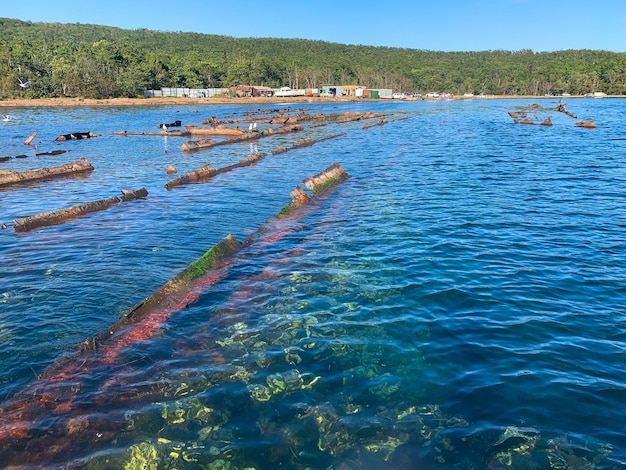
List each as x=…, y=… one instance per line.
x=442, y=25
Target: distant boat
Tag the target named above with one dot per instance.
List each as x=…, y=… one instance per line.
x=286, y=91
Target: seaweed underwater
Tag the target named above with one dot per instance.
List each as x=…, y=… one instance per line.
x=63, y=408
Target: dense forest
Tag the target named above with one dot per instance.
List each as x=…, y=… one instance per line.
x=40, y=60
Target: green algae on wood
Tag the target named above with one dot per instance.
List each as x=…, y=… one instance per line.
x=326, y=179
x=318, y=184
x=180, y=283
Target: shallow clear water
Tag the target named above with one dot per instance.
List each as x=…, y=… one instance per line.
x=457, y=303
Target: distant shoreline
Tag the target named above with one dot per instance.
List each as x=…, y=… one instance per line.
x=125, y=102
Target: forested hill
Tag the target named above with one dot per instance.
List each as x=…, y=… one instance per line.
x=91, y=61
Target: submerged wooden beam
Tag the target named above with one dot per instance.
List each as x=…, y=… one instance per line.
x=219, y=130
x=318, y=184
x=208, y=171
x=381, y=122
x=304, y=143
x=60, y=216
x=178, y=286
x=203, y=144
x=326, y=179
x=79, y=166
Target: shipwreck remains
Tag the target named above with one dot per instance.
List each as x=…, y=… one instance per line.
x=60, y=216
x=78, y=167
x=51, y=413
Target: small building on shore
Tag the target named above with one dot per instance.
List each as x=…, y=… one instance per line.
x=250, y=90
x=185, y=92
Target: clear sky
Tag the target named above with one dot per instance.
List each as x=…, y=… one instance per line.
x=442, y=25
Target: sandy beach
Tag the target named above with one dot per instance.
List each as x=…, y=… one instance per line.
x=113, y=102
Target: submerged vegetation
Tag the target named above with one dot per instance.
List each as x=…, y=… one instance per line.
x=43, y=60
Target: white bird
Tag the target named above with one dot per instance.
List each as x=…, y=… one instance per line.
x=250, y=128
x=255, y=125
x=6, y=117
x=23, y=84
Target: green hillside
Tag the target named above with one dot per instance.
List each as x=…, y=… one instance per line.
x=91, y=61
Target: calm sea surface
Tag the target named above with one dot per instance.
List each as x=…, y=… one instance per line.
x=458, y=303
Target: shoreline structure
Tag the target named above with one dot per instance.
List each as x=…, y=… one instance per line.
x=113, y=102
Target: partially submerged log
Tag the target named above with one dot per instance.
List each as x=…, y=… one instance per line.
x=193, y=176
x=202, y=144
x=30, y=139
x=325, y=179
x=208, y=171
x=561, y=108
x=588, y=124
x=199, y=144
x=140, y=193
x=350, y=116
x=304, y=143
x=179, y=284
x=547, y=121
x=318, y=184
x=53, y=152
x=381, y=122
x=60, y=216
x=219, y=130
x=79, y=166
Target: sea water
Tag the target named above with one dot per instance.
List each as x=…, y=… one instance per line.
x=458, y=302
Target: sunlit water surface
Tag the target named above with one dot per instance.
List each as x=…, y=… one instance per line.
x=459, y=302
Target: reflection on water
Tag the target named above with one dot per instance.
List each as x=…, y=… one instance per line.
x=455, y=304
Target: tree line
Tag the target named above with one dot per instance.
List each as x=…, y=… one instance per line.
x=92, y=61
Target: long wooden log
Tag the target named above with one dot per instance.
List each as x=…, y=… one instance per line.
x=318, y=184
x=178, y=286
x=208, y=171
x=30, y=139
x=304, y=143
x=79, y=166
x=60, y=216
x=382, y=122
x=219, y=130
x=325, y=179
x=192, y=176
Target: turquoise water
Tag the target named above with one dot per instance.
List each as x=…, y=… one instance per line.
x=457, y=303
